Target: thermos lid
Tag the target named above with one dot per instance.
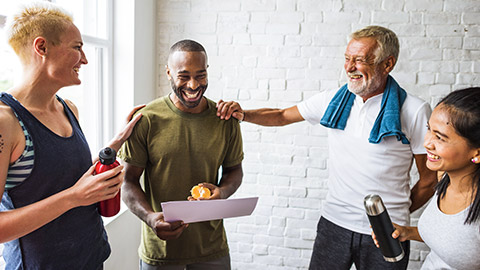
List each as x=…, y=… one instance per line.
x=373, y=205
x=107, y=156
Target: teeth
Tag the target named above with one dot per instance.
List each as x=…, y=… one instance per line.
x=355, y=76
x=191, y=95
x=432, y=156
x=76, y=69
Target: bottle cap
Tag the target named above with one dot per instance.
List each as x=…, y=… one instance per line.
x=373, y=205
x=107, y=156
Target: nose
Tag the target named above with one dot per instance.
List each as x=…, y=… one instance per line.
x=350, y=65
x=84, y=60
x=193, y=84
x=427, y=141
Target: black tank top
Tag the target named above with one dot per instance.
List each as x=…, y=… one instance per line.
x=76, y=239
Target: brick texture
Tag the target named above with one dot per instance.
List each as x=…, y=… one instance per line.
x=276, y=53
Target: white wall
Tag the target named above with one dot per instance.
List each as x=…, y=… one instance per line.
x=124, y=238
x=276, y=53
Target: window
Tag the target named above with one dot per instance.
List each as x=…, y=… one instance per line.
x=7, y=70
x=94, y=96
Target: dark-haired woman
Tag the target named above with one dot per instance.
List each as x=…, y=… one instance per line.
x=450, y=224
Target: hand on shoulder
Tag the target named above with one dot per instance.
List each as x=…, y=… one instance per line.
x=227, y=109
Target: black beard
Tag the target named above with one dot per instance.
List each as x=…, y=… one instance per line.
x=178, y=93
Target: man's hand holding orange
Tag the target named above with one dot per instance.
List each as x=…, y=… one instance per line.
x=205, y=191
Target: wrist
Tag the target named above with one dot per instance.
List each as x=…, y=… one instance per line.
x=150, y=220
x=116, y=143
x=69, y=198
x=244, y=116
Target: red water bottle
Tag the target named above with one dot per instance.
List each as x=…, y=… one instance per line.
x=108, y=160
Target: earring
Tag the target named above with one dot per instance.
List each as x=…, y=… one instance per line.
x=475, y=160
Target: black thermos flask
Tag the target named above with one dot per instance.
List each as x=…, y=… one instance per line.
x=383, y=228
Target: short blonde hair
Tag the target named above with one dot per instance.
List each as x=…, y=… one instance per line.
x=38, y=19
x=387, y=41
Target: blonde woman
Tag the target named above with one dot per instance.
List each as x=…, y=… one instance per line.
x=49, y=218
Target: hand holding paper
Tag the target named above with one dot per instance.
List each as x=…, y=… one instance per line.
x=165, y=230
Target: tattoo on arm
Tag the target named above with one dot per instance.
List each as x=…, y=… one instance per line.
x=1, y=143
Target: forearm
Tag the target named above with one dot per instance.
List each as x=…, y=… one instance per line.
x=425, y=186
x=420, y=194
x=136, y=200
x=413, y=234
x=22, y=221
x=272, y=117
x=231, y=181
x=116, y=143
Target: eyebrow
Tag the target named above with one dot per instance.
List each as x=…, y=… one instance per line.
x=438, y=132
x=356, y=56
x=186, y=72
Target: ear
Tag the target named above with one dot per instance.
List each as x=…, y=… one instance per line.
x=389, y=63
x=40, y=46
x=168, y=72
x=476, y=157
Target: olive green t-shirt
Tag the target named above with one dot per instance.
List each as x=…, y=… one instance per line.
x=179, y=150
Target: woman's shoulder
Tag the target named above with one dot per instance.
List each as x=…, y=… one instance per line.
x=7, y=117
x=72, y=107
x=11, y=133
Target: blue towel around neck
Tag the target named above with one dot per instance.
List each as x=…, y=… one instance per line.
x=388, y=119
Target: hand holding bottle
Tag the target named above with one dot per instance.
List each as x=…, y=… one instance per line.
x=91, y=188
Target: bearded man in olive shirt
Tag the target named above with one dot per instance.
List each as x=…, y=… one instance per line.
x=178, y=143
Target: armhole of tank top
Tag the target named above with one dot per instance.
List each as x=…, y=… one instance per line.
x=28, y=141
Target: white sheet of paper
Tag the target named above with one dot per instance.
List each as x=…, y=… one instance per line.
x=196, y=211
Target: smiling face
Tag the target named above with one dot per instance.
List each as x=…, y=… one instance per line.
x=366, y=78
x=187, y=73
x=446, y=149
x=65, y=59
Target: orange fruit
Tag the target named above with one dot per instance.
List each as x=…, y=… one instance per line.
x=200, y=192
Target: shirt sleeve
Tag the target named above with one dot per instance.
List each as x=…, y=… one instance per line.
x=313, y=108
x=134, y=150
x=418, y=128
x=234, y=154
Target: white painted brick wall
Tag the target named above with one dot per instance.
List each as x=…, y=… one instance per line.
x=276, y=53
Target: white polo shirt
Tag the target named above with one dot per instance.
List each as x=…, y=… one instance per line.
x=358, y=168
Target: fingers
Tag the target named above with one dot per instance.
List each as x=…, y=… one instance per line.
x=215, y=192
x=397, y=232
x=220, y=109
x=91, y=169
x=172, y=234
x=208, y=185
x=135, y=119
x=110, y=182
x=133, y=111
x=168, y=230
x=374, y=237
x=91, y=188
x=226, y=109
x=110, y=173
x=239, y=115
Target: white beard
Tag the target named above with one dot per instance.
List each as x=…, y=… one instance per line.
x=363, y=88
